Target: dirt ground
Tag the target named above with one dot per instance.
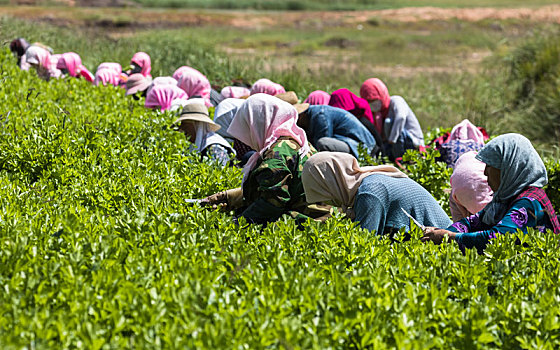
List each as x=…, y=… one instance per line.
x=173, y=18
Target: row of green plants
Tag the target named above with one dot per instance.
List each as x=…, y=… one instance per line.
x=100, y=251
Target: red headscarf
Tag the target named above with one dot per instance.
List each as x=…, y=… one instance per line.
x=345, y=99
x=375, y=89
x=72, y=62
x=142, y=59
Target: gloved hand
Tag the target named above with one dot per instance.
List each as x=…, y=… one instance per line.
x=225, y=200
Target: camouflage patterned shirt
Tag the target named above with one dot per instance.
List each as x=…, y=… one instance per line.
x=274, y=186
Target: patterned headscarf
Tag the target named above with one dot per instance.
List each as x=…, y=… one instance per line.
x=260, y=121
x=267, y=86
x=336, y=177
x=347, y=100
x=520, y=166
x=318, y=97
x=163, y=95
x=143, y=60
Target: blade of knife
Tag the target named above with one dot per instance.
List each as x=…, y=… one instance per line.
x=413, y=219
x=193, y=200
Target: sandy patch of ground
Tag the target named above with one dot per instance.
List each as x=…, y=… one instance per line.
x=150, y=18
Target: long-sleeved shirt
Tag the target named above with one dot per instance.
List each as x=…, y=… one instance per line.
x=524, y=213
x=328, y=121
x=403, y=118
x=274, y=186
x=380, y=198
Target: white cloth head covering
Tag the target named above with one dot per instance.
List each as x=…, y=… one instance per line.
x=224, y=113
x=260, y=121
x=205, y=137
x=335, y=177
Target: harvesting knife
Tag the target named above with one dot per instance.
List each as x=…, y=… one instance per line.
x=193, y=200
x=414, y=220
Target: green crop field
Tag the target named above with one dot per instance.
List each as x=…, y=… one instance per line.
x=100, y=251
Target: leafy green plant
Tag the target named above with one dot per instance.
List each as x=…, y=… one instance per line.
x=100, y=250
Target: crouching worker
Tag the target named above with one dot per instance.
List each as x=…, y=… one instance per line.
x=271, y=183
x=373, y=196
x=197, y=126
x=517, y=175
x=334, y=129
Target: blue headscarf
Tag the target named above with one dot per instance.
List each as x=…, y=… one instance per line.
x=520, y=166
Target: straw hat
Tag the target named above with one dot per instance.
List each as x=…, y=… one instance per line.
x=301, y=107
x=289, y=97
x=137, y=82
x=292, y=99
x=197, y=112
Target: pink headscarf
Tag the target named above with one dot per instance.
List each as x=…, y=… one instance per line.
x=235, y=92
x=38, y=56
x=107, y=76
x=260, y=121
x=142, y=59
x=266, y=86
x=318, y=97
x=163, y=95
x=469, y=188
x=375, y=89
x=195, y=83
x=345, y=99
x=73, y=63
x=110, y=65
x=466, y=130
x=43, y=60
x=181, y=70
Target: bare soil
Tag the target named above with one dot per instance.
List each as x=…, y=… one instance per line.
x=73, y=14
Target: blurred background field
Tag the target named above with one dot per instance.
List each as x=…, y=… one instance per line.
x=496, y=66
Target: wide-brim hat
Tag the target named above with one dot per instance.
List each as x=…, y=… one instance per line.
x=301, y=107
x=197, y=112
x=289, y=97
x=137, y=82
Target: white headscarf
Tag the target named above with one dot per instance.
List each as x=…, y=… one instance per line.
x=336, y=177
x=224, y=113
x=260, y=121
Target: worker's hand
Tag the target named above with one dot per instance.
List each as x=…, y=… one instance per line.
x=217, y=200
x=225, y=200
x=437, y=235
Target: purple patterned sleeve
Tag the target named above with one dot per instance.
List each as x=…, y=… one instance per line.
x=519, y=217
